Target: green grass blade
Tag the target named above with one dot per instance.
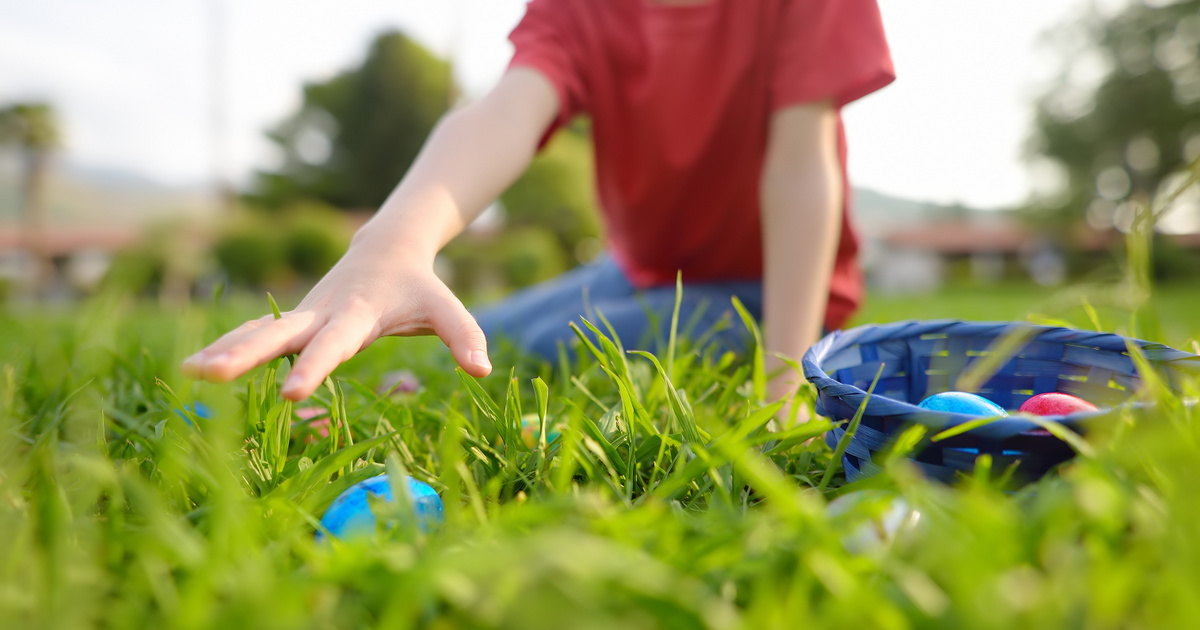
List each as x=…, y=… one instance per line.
x=687, y=422
x=274, y=307
x=999, y=352
x=757, y=365
x=303, y=484
x=482, y=400
x=674, y=325
x=844, y=443
x=541, y=394
x=964, y=427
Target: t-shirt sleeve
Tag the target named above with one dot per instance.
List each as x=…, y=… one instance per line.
x=829, y=49
x=543, y=41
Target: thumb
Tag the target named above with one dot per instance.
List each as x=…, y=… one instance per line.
x=461, y=333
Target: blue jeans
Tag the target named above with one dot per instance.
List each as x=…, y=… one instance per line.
x=536, y=318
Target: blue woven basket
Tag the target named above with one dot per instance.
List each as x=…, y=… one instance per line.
x=920, y=358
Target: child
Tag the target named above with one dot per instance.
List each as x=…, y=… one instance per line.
x=719, y=153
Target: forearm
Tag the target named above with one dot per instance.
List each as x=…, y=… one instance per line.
x=801, y=200
x=385, y=284
x=471, y=157
x=800, y=232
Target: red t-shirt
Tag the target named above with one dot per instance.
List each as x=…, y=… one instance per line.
x=680, y=98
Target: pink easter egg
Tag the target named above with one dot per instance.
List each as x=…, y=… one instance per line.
x=1055, y=404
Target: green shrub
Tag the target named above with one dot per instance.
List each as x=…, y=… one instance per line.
x=530, y=255
x=316, y=237
x=467, y=258
x=138, y=271
x=1170, y=261
x=250, y=252
x=557, y=193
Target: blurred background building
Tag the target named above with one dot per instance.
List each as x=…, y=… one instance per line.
x=204, y=142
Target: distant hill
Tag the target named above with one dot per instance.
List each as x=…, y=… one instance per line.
x=875, y=211
x=88, y=195
x=81, y=195
x=113, y=178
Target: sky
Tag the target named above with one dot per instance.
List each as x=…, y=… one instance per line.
x=135, y=84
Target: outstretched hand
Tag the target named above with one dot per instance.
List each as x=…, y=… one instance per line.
x=357, y=302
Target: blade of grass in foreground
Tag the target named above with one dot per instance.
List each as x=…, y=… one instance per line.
x=296, y=488
x=482, y=400
x=542, y=396
x=1005, y=347
x=844, y=443
x=714, y=454
x=687, y=422
x=277, y=314
x=674, y=325
x=960, y=429
x=1063, y=433
x=758, y=366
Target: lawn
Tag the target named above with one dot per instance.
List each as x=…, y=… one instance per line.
x=652, y=510
x=1176, y=307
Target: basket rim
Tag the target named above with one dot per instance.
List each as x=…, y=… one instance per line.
x=880, y=405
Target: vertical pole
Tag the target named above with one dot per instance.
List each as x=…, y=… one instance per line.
x=458, y=17
x=218, y=141
x=36, y=160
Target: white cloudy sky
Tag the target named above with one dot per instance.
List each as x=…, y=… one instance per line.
x=133, y=79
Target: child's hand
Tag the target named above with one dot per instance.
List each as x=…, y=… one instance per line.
x=358, y=301
x=385, y=284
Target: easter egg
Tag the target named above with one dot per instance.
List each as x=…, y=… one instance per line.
x=1055, y=404
x=398, y=382
x=199, y=410
x=313, y=425
x=530, y=428
x=350, y=514
x=874, y=518
x=964, y=403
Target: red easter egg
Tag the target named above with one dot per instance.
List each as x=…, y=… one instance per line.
x=1055, y=404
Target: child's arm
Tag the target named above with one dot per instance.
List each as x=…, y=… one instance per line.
x=385, y=284
x=801, y=200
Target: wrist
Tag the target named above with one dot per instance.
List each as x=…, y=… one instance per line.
x=386, y=247
x=403, y=229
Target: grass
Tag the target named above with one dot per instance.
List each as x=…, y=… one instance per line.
x=1174, y=304
x=665, y=503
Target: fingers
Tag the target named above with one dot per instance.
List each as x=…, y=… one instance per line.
x=460, y=332
x=325, y=341
x=339, y=340
x=252, y=344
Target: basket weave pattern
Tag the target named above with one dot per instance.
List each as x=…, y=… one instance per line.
x=921, y=358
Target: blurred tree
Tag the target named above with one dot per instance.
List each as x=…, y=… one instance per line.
x=557, y=193
x=1125, y=115
x=356, y=134
x=314, y=238
x=250, y=251
x=551, y=222
x=33, y=129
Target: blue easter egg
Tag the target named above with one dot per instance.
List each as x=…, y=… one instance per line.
x=350, y=514
x=964, y=403
x=196, y=409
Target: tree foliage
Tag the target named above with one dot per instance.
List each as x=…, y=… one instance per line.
x=33, y=128
x=356, y=134
x=30, y=126
x=557, y=191
x=1122, y=137
x=551, y=222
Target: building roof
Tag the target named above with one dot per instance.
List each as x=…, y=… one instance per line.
x=962, y=237
x=63, y=240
